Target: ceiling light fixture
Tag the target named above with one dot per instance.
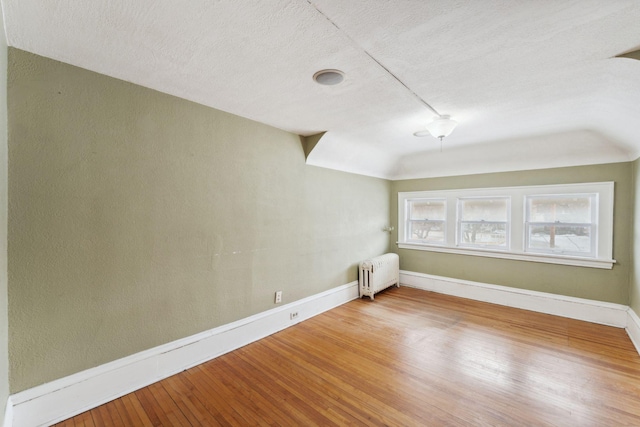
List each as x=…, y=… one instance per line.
x=328, y=77
x=440, y=127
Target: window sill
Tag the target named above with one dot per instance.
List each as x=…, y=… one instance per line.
x=520, y=256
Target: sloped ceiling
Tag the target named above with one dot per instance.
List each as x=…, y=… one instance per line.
x=533, y=84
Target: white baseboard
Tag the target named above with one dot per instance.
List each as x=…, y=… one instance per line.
x=575, y=308
x=63, y=398
x=633, y=328
x=8, y=414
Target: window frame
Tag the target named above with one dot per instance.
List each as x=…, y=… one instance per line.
x=460, y=222
x=604, y=229
x=443, y=222
x=593, y=225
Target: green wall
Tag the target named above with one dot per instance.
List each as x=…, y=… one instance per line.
x=137, y=218
x=603, y=285
x=4, y=323
x=634, y=283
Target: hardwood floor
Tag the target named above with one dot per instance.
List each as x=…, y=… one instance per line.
x=409, y=358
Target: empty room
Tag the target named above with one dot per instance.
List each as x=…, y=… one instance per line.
x=319, y=212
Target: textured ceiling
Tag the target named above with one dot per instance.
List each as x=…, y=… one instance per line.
x=533, y=84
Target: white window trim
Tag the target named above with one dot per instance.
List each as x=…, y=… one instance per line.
x=604, y=251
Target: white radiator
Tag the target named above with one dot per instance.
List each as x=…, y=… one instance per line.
x=379, y=273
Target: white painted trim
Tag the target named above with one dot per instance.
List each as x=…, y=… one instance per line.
x=604, y=313
x=520, y=256
x=516, y=244
x=633, y=328
x=8, y=414
x=63, y=398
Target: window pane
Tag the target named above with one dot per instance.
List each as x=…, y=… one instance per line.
x=576, y=209
x=485, y=234
x=427, y=231
x=427, y=209
x=484, y=209
x=560, y=238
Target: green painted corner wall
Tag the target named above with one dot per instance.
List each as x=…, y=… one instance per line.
x=603, y=285
x=4, y=320
x=634, y=282
x=137, y=218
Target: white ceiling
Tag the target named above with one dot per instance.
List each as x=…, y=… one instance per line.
x=532, y=83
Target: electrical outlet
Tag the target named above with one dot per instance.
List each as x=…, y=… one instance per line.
x=293, y=315
x=278, y=297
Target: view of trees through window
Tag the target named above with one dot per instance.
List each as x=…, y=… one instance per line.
x=483, y=222
x=427, y=220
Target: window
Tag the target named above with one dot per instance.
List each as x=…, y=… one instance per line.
x=483, y=222
x=562, y=224
x=427, y=221
x=568, y=224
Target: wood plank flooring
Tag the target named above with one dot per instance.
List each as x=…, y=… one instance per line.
x=409, y=358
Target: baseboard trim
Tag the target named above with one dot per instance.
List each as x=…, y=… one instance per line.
x=575, y=308
x=8, y=414
x=66, y=397
x=633, y=328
